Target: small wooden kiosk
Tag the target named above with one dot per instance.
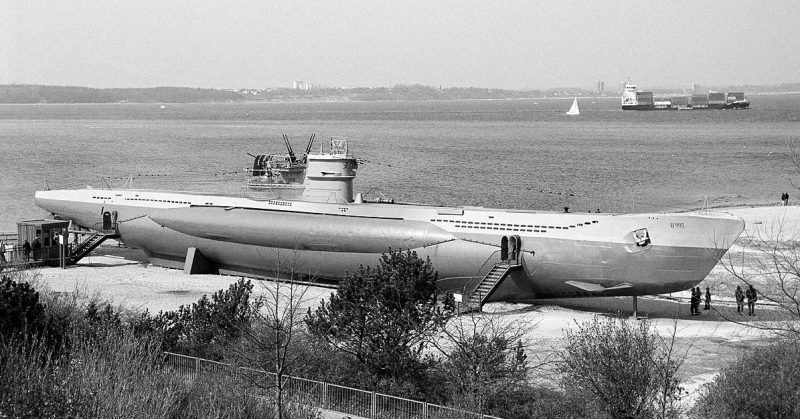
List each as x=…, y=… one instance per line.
x=50, y=250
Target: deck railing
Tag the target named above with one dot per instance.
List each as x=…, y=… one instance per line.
x=322, y=395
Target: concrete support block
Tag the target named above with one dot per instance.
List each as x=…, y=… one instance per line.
x=196, y=263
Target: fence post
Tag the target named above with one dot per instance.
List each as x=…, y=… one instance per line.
x=196, y=368
x=373, y=411
x=324, y=395
x=425, y=410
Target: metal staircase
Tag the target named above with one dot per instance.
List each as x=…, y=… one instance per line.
x=489, y=284
x=87, y=246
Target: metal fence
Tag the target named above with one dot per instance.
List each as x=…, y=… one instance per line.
x=342, y=399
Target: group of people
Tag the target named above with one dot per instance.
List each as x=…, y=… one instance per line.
x=7, y=252
x=785, y=198
x=751, y=295
x=697, y=297
x=35, y=247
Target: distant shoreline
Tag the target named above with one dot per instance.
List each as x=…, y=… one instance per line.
x=345, y=100
x=38, y=94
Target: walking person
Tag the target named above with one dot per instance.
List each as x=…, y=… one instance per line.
x=26, y=249
x=694, y=302
x=708, y=299
x=752, y=297
x=739, y=295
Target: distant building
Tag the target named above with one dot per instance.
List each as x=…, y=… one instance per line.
x=695, y=88
x=304, y=85
x=600, y=88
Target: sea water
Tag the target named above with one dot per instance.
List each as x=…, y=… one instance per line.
x=522, y=154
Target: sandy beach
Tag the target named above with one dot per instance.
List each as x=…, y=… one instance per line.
x=710, y=341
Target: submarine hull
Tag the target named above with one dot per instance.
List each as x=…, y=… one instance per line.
x=562, y=255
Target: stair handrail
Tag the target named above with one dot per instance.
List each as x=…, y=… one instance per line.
x=85, y=243
x=98, y=227
x=86, y=247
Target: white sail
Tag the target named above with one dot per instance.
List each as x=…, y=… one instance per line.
x=574, y=109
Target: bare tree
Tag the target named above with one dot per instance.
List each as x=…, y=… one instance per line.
x=768, y=259
x=483, y=356
x=270, y=343
x=668, y=362
x=626, y=367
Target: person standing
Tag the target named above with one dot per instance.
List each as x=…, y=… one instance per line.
x=26, y=249
x=698, y=299
x=695, y=302
x=752, y=297
x=2, y=251
x=36, y=246
x=739, y=295
x=708, y=299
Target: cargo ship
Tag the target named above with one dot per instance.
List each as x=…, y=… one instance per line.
x=646, y=101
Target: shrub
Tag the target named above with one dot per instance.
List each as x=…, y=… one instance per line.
x=529, y=401
x=763, y=382
x=205, y=328
x=108, y=375
x=625, y=367
x=482, y=367
x=382, y=316
x=21, y=313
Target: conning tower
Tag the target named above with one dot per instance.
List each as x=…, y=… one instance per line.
x=329, y=176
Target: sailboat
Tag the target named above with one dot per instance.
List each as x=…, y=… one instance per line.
x=574, y=109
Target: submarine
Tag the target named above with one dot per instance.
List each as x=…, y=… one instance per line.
x=301, y=214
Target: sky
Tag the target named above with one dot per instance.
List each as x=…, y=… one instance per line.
x=372, y=43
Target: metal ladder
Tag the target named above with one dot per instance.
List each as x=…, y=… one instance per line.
x=87, y=246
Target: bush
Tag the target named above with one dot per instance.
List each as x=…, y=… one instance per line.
x=625, y=368
x=24, y=316
x=112, y=375
x=221, y=396
x=483, y=367
x=382, y=316
x=204, y=329
x=21, y=313
x=763, y=382
x=537, y=402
